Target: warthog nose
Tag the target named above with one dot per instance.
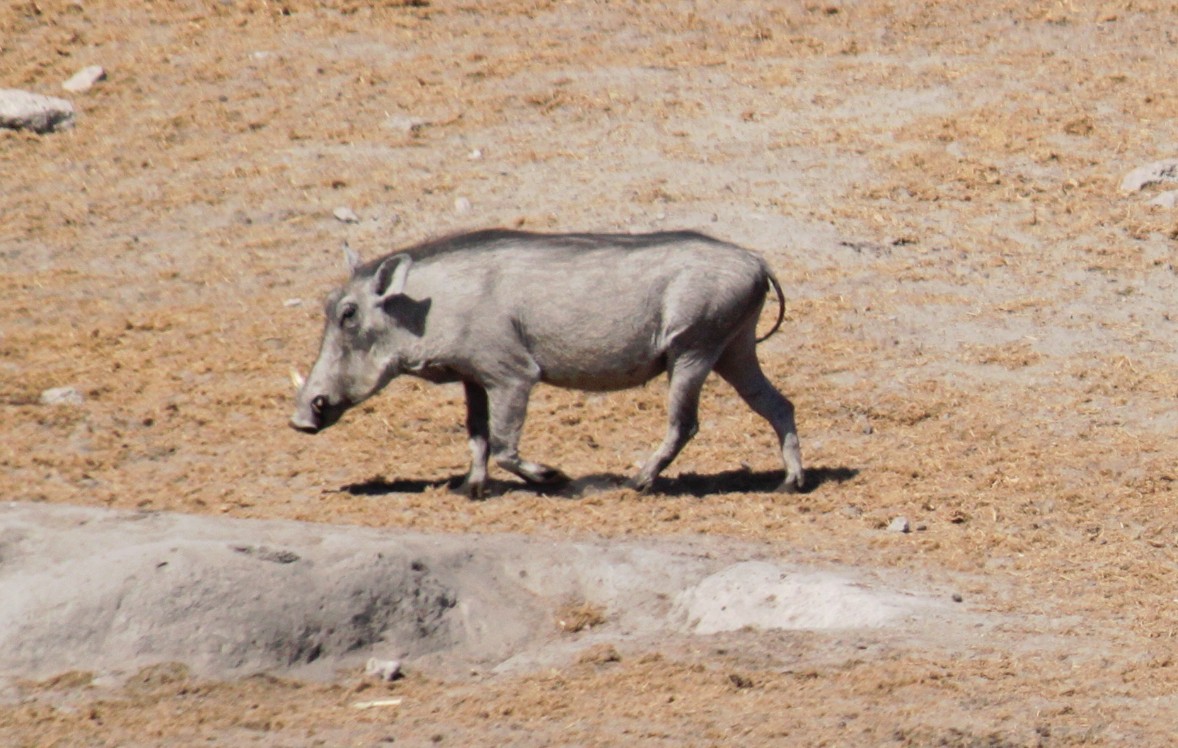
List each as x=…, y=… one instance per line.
x=306, y=425
x=309, y=420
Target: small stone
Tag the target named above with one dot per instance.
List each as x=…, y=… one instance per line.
x=405, y=123
x=957, y=597
x=900, y=524
x=62, y=396
x=83, y=80
x=346, y=215
x=475, y=155
x=1150, y=174
x=864, y=425
x=740, y=681
x=462, y=206
x=21, y=110
x=387, y=670
x=292, y=303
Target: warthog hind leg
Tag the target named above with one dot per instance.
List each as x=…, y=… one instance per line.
x=738, y=365
x=687, y=374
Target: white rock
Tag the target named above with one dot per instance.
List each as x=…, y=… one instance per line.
x=900, y=524
x=347, y=215
x=1167, y=199
x=62, y=396
x=378, y=702
x=21, y=110
x=83, y=80
x=383, y=669
x=462, y=206
x=1150, y=174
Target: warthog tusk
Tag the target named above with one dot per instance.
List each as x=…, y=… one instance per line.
x=297, y=379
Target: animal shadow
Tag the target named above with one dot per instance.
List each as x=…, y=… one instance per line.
x=745, y=481
x=379, y=486
x=684, y=484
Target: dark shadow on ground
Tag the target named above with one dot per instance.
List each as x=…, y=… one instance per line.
x=746, y=481
x=379, y=486
x=684, y=484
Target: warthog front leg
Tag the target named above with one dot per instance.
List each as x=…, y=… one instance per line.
x=478, y=429
x=509, y=407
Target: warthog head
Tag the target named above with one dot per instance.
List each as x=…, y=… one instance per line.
x=360, y=350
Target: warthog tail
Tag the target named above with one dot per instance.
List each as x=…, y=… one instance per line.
x=780, y=308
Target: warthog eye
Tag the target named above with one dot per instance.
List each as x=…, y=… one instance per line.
x=347, y=315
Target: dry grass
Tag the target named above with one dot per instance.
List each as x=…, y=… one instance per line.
x=576, y=616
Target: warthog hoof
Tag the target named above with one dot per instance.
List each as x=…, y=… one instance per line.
x=793, y=484
x=639, y=484
x=475, y=489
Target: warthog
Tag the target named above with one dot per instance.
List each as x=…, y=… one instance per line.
x=502, y=310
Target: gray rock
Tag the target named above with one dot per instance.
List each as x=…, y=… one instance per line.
x=900, y=524
x=767, y=596
x=1150, y=174
x=1167, y=199
x=112, y=592
x=21, y=110
x=83, y=80
x=62, y=396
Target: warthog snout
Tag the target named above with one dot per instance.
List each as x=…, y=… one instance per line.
x=313, y=415
x=309, y=419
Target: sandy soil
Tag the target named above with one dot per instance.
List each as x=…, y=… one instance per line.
x=980, y=338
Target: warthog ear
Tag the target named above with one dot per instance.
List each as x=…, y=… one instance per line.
x=407, y=313
x=391, y=275
x=352, y=259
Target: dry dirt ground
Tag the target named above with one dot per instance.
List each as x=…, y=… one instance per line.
x=980, y=338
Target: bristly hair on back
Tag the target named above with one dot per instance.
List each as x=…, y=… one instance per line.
x=486, y=239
